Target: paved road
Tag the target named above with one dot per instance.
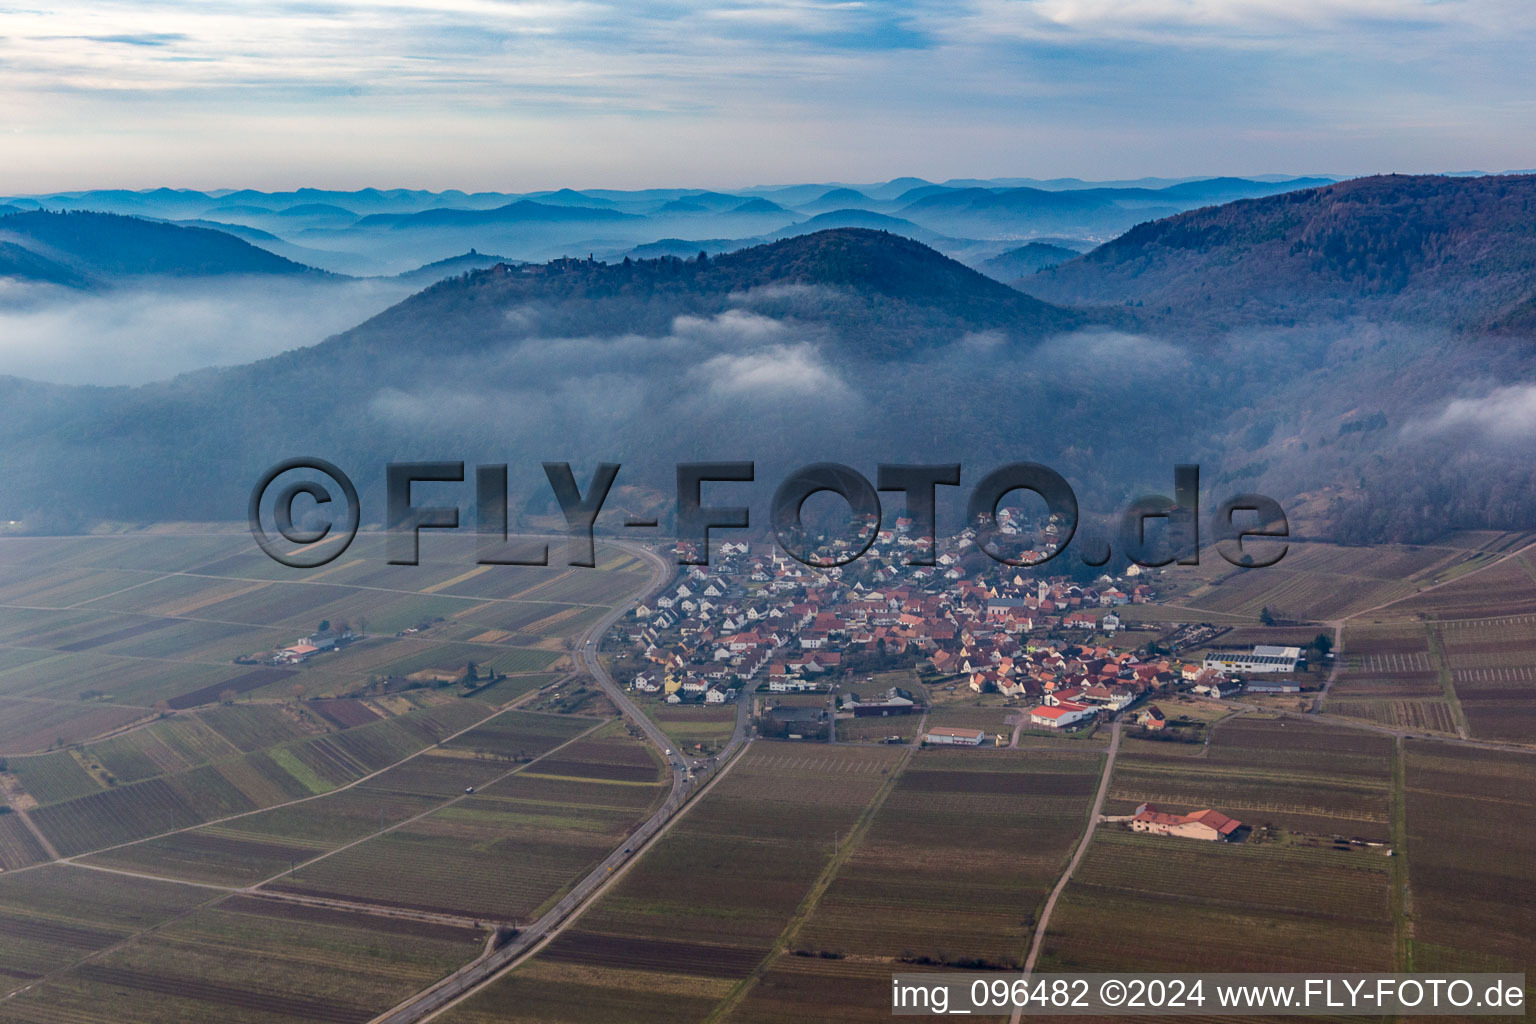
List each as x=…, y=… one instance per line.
x=494, y=962
x=1077, y=857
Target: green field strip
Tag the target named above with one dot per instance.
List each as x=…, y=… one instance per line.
x=1447, y=681
x=1401, y=899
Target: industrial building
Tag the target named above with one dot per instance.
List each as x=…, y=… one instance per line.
x=1265, y=658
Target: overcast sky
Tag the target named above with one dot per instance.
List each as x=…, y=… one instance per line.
x=492, y=94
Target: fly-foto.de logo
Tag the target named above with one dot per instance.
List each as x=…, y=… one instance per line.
x=330, y=525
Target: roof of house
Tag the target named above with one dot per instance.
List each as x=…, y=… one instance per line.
x=790, y=713
x=1210, y=819
x=1058, y=711
x=945, y=730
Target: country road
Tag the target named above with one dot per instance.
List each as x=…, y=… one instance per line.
x=1038, y=940
x=494, y=962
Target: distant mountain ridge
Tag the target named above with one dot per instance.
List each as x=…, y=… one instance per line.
x=1027, y=259
x=98, y=249
x=1458, y=251
x=521, y=211
x=371, y=231
x=1310, y=345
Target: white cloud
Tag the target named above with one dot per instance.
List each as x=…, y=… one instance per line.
x=983, y=342
x=734, y=328
x=496, y=94
x=1097, y=358
x=1243, y=22
x=776, y=372
x=1504, y=414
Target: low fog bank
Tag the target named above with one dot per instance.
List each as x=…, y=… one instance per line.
x=149, y=332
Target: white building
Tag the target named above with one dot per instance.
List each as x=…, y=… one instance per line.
x=1061, y=715
x=946, y=736
x=1265, y=658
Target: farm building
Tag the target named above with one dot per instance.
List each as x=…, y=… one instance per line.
x=1204, y=824
x=1274, y=686
x=894, y=701
x=1061, y=715
x=1265, y=658
x=298, y=652
x=793, y=713
x=946, y=735
x=1214, y=684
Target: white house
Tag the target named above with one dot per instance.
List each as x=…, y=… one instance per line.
x=1060, y=716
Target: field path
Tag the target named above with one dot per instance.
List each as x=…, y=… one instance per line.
x=255, y=888
x=1038, y=940
x=1337, y=625
x=538, y=942
x=1516, y=554
x=471, y=977
x=37, y=833
x=1339, y=659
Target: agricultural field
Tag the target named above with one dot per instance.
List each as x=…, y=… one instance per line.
x=251, y=961
x=117, y=676
x=986, y=831
x=18, y=846
x=1301, y=778
x=50, y=778
x=1505, y=588
x=878, y=730
x=696, y=726
x=1492, y=668
x=1171, y=614
x=32, y=725
x=1471, y=830
x=267, y=846
x=1414, y=715
x=260, y=846
x=231, y=783
x=161, y=618
x=510, y=849
x=582, y=586
x=969, y=714
x=1392, y=676
x=509, y=688
x=53, y=917
x=579, y=695
x=1287, y=898
x=700, y=910
x=1318, y=582
x=1164, y=904
x=1386, y=661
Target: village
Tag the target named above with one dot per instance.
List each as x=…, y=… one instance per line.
x=760, y=625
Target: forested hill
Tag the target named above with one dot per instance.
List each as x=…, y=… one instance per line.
x=1445, y=251
x=98, y=249
x=885, y=295
x=813, y=348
